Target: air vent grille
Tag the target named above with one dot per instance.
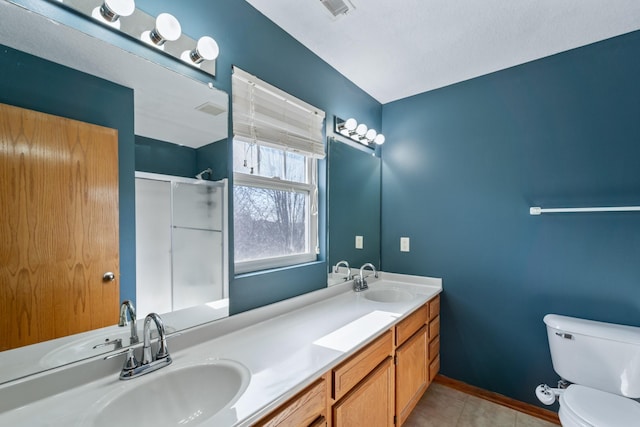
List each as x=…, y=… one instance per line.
x=210, y=108
x=337, y=7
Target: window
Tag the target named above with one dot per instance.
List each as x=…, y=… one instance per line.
x=277, y=141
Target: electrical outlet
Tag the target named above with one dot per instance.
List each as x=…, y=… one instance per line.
x=359, y=242
x=404, y=244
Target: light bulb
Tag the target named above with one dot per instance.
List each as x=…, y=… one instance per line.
x=370, y=135
x=111, y=10
x=350, y=124
x=379, y=139
x=347, y=128
x=119, y=7
x=206, y=49
x=361, y=130
x=167, y=29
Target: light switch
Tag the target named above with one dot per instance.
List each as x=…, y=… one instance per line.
x=404, y=244
x=359, y=242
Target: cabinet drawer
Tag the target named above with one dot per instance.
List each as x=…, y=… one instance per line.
x=434, y=367
x=304, y=409
x=434, y=307
x=349, y=373
x=434, y=328
x=434, y=348
x=411, y=324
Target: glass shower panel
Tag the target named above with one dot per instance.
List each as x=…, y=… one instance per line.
x=197, y=206
x=153, y=246
x=197, y=277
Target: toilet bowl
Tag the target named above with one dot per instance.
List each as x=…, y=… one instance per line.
x=587, y=407
x=600, y=363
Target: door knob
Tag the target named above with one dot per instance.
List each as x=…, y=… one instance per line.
x=108, y=277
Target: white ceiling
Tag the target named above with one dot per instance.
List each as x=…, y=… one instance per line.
x=397, y=48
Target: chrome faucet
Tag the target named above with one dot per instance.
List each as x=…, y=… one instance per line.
x=346, y=264
x=163, y=352
x=132, y=368
x=360, y=282
x=127, y=307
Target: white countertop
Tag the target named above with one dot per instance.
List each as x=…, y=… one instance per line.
x=283, y=355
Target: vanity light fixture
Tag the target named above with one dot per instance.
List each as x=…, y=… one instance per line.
x=167, y=29
x=123, y=16
x=111, y=10
x=206, y=50
x=358, y=132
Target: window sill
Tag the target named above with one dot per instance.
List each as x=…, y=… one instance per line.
x=278, y=269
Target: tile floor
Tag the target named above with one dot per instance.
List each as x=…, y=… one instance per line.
x=443, y=406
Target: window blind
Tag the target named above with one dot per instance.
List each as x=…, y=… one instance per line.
x=266, y=115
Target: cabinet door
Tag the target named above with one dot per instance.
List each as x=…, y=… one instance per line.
x=411, y=373
x=370, y=403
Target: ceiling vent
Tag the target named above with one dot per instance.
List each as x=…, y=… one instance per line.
x=338, y=7
x=212, y=109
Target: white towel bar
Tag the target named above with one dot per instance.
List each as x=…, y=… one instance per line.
x=536, y=210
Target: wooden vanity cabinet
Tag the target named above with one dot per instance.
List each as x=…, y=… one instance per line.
x=411, y=362
x=349, y=373
x=307, y=408
x=417, y=356
x=379, y=385
x=363, y=385
x=434, y=337
x=370, y=403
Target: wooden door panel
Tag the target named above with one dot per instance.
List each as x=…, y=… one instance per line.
x=59, y=226
x=370, y=403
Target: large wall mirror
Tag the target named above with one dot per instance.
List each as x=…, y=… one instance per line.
x=170, y=127
x=354, y=180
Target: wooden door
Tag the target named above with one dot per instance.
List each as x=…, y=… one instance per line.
x=411, y=373
x=370, y=403
x=58, y=227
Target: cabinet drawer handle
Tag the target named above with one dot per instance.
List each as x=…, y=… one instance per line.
x=108, y=277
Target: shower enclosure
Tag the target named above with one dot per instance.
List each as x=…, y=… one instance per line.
x=181, y=231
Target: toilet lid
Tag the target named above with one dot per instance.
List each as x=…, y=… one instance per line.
x=599, y=408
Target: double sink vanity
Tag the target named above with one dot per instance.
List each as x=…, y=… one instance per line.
x=331, y=357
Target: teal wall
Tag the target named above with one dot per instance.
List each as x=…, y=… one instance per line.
x=164, y=158
x=33, y=83
x=178, y=160
x=462, y=165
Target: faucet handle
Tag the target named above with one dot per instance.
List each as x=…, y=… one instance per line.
x=117, y=343
x=130, y=362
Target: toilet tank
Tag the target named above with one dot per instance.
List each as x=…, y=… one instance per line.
x=600, y=355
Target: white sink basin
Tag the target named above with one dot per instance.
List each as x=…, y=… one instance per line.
x=388, y=295
x=189, y=395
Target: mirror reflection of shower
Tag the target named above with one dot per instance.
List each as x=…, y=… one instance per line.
x=180, y=242
x=208, y=171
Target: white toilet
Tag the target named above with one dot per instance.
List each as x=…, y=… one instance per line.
x=600, y=363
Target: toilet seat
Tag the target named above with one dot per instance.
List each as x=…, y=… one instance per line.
x=585, y=407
